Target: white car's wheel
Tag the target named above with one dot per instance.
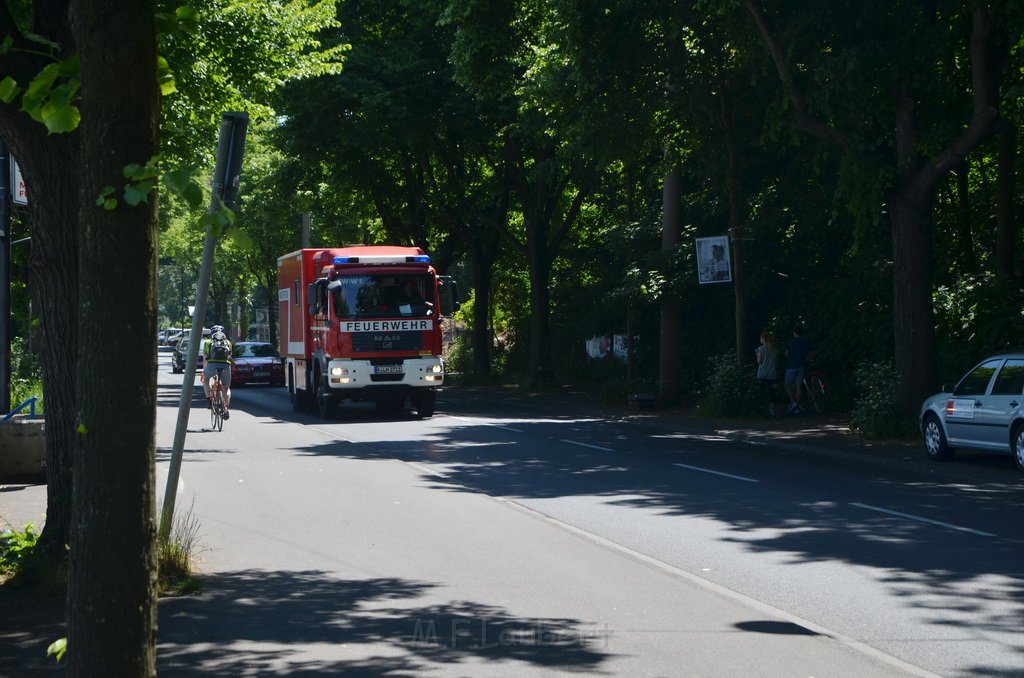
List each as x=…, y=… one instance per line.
x=935, y=440
x=1018, y=446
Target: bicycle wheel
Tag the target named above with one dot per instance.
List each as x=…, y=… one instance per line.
x=217, y=404
x=816, y=393
x=216, y=419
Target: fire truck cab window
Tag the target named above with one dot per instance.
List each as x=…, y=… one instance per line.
x=367, y=296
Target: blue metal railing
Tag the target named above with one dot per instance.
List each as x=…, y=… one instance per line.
x=31, y=403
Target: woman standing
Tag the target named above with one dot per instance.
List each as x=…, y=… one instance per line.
x=768, y=368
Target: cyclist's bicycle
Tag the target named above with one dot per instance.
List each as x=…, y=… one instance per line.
x=814, y=390
x=218, y=410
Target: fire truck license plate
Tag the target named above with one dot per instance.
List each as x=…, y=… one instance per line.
x=387, y=369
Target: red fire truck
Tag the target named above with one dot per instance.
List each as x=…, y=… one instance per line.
x=361, y=324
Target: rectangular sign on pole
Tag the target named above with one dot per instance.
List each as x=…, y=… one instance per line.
x=713, y=264
x=17, y=194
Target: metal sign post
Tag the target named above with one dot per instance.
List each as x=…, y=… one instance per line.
x=5, y=277
x=226, y=175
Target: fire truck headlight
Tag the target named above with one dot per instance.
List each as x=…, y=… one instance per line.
x=435, y=368
x=339, y=375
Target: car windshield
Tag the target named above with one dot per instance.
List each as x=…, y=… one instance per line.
x=255, y=351
x=380, y=296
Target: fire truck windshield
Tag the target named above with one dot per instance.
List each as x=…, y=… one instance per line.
x=382, y=296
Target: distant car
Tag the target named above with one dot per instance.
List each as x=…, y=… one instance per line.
x=984, y=411
x=173, y=339
x=162, y=335
x=256, y=361
x=180, y=355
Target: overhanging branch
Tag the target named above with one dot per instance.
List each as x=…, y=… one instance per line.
x=804, y=119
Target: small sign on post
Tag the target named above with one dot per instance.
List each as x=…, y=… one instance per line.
x=19, y=196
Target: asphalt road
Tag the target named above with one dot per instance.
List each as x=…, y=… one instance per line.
x=514, y=538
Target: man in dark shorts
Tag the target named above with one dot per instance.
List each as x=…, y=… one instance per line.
x=798, y=349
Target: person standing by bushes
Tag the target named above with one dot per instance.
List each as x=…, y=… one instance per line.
x=798, y=349
x=768, y=368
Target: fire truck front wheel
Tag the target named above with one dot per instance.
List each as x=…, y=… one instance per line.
x=425, y=401
x=300, y=399
x=326, y=402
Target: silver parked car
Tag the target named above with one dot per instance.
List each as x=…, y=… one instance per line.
x=984, y=411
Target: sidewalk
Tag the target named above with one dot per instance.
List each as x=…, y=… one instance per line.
x=824, y=433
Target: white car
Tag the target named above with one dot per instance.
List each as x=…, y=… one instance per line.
x=162, y=335
x=173, y=339
x=984, y=411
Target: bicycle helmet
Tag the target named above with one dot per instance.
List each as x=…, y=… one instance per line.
x=217, y=328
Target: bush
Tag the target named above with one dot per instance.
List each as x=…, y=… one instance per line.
x=26, y=375
x=732, y=391
x=459, y=358
x=876, y=413
x=15, y=549
x=175, y=556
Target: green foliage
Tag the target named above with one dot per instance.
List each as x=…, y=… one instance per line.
x=26, y=375
x=51, y=95
x=181, y=182
x=16, y=550
x=975, y=316
x=876, y=413
x=233, y=57
x=57, y=649
x=459, y=360
x=415, y=142
x=731, y=390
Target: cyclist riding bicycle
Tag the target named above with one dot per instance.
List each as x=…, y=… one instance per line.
x=217, y=356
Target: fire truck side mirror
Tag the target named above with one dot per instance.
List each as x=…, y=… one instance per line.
x=316, y=297
x=449, y=295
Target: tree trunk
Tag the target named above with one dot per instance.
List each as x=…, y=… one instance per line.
x=540, y=197
x=736, y=231
x=53, y=210
x=671, y=235
x=112, y=561
x=913, y=322
x=541, y=374
x=481, y=336
x=1006, y=232
x=965, y=229
x=50, y=167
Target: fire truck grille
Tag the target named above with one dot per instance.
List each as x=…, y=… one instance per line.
x=365, y=342
x=375, y=378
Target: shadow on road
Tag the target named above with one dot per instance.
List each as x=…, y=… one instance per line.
x=308, y=623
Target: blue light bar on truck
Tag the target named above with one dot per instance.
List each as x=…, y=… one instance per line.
x=383, y=259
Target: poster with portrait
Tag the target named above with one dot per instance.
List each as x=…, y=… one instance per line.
x=713, y=261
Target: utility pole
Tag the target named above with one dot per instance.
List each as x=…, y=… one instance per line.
x=5, y=277
x=226, y=176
